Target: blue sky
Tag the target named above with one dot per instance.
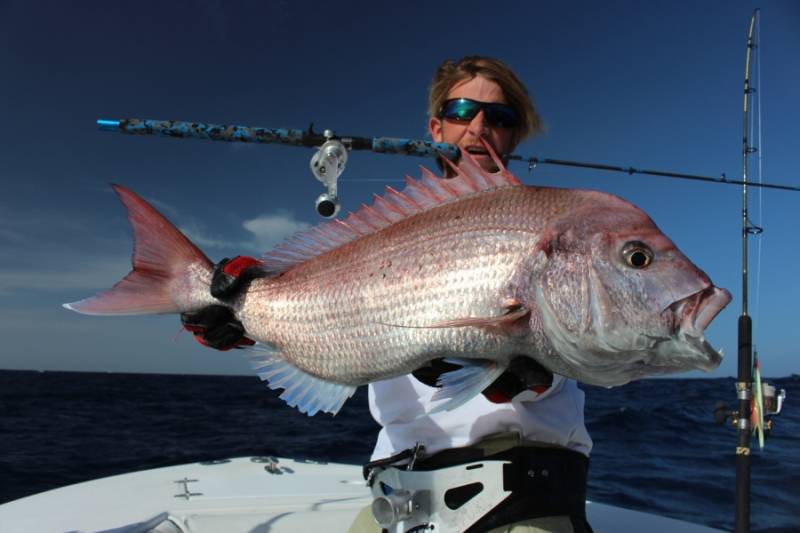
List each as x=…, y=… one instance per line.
x=647, y=84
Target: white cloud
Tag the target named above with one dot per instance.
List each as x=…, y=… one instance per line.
x=198, y=236
x=47, y=262
x=265, y=230
x=271, y=228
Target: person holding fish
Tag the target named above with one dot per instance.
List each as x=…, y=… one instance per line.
x=469, y=303
x=480, y=105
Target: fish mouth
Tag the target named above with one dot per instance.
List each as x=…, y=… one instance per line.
x=692, y=315
x=678, y=344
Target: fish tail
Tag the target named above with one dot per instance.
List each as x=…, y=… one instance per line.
x=162, y=259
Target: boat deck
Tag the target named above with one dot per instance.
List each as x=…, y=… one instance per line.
x=247, y=494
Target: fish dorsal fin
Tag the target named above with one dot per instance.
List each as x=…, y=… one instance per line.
x=418, y=196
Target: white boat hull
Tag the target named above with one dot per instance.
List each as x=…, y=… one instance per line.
x=247, y=494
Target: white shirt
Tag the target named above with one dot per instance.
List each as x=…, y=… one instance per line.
x=553, y=417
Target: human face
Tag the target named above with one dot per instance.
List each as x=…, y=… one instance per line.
x=467, y=135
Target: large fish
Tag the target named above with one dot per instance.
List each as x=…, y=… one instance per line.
x=477, y=268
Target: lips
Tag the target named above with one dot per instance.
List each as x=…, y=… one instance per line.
x=476, y=150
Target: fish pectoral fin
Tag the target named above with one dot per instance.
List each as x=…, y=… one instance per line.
x=513, y=312
x=460, y=386
x=308, y=393
x=514, y=320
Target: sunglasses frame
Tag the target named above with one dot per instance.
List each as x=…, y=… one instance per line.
x=487, y=108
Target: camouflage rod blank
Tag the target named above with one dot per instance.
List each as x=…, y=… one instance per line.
x=294, y=137
x=381, y=145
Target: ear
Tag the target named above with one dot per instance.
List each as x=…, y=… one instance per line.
x=435, y=127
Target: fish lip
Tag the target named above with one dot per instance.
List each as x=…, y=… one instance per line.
x=713, y=357
x=710, y=306
x=691, y=315
x=695, y=312
x=680, y=354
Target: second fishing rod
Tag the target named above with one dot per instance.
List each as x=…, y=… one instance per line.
x=329, y=161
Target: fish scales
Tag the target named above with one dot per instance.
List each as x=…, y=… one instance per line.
x=476, y=267
x=336, y=316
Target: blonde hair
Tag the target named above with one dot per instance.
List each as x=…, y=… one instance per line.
x=451, y=72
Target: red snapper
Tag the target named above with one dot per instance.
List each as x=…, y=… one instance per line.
x=478, y=268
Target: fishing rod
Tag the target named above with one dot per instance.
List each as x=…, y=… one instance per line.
x=753, y=410
x=329, y=161
x=745, y=325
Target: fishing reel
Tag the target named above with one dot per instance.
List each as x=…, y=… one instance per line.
x=771, y=399
x=327, y=164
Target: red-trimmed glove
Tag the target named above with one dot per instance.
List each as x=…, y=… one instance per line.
x=216, y=326
x=231, y=275
x=523, y=373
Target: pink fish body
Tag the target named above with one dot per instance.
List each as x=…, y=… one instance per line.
x=478, y=268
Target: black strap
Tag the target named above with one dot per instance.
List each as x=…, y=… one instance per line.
x=409, y=453
x=543, y=482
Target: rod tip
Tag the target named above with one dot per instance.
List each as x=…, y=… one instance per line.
x=108, y=125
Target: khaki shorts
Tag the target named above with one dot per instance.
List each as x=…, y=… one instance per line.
x=365, y=523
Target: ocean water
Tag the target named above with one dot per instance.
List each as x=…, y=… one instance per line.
x=656, y=449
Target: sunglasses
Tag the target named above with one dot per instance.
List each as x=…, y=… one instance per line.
x=464, y=110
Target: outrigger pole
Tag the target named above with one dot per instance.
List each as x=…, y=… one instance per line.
x=745, y=377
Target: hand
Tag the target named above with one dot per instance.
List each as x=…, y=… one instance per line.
x=216, y=326
x=231, y=275
x=523, y=373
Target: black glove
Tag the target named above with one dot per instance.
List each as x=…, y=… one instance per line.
x=523, y=373
x=216, y=326
x=232, y=275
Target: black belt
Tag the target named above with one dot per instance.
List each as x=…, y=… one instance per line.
x=542, y=481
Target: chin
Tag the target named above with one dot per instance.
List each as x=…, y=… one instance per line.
x=488, y=165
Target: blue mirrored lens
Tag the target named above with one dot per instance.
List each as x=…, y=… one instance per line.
x=464, y=110
x=461, y=109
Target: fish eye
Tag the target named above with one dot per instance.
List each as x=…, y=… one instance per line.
x=637, y=255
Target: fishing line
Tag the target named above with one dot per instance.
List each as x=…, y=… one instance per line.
x=350, y=180
x=760, y=153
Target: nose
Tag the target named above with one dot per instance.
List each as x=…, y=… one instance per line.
x=478, y=126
